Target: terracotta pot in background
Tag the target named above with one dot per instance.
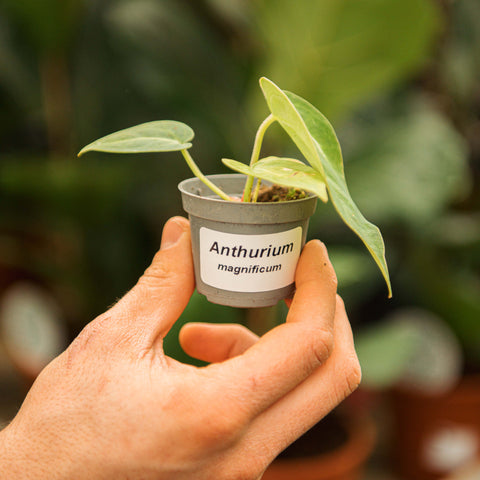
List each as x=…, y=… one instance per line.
x=436, y=434
x=345, y=462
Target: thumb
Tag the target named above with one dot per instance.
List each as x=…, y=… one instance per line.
x=162, y=293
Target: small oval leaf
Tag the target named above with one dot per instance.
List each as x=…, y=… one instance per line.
x=157, y=136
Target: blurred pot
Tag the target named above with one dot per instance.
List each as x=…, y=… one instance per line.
x=436, y=434
x=344, y=461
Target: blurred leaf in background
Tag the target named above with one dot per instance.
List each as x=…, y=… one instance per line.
x=48, y=25
x=409, y=166
x=47, y=30
x=338, y=53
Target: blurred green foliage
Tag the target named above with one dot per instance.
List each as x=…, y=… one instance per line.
x=339, y=53
x=399, y=80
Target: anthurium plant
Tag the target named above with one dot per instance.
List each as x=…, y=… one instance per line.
x=322, y=175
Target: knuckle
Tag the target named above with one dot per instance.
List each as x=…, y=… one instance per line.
x=353, y=373
x=340, y=302
x=158, y=279
x=333, y=279
x=158, y=271
x=223, y=429
x=322, y=344
x=318, y=345
x=210, y=419
x=214, y=433
x=220, y=430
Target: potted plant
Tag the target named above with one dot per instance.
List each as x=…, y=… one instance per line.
x=415, y=356
x=245, y=250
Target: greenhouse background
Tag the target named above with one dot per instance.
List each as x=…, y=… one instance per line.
x=399, y=81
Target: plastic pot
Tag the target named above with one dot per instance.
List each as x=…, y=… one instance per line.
x=245, y=254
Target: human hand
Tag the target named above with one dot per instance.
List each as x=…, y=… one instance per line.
x=114, y=406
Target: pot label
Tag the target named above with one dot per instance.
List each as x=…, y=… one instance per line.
x=249, y=263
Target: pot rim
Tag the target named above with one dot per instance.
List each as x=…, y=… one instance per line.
x=234, y=176
x=198, y=201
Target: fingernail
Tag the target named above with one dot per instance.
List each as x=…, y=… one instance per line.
x=172, y=231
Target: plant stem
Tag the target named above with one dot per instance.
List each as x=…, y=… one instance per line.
x=257, y=189
x=196, y=171
x=256, y=153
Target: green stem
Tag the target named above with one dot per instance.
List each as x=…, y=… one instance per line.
x=256, y=154
x=257, y=189
x=196, y=171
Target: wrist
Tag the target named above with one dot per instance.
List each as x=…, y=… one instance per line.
x=13, y=459
x=27, y=456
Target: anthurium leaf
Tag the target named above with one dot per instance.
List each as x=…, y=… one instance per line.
x=323, y=133
x=238, y=166
x=288, y=172
x=287, y=115
x=291, y=173
x=306, y=126
x=158, y=136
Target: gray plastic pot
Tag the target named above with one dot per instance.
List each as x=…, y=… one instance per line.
x=244, y=254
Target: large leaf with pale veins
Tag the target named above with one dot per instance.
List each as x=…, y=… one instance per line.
x=288, y=108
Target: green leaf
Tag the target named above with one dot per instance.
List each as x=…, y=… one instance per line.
x=286, y=114
x=416, y=171
x=314, y=128
x=413, y=348
x=52, y=32
x=384, y=353
x=341, y=53
x=291, y=173
x=238, y=166
x=288, y=172
x=158, y=136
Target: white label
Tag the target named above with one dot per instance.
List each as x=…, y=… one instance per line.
x=249, y=263
x=450, y=447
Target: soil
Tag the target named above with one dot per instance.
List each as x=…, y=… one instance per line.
x=326, y=436
x=277, y=193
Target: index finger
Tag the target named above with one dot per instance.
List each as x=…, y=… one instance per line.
x=288, y=354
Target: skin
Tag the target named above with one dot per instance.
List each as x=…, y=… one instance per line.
x=114, y=406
